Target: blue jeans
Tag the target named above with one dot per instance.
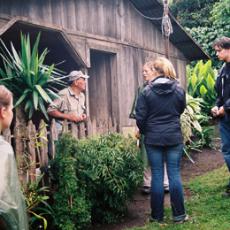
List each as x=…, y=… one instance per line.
x=172, y=156
x=225, y=139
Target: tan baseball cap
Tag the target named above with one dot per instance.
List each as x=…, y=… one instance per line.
x=76, y=74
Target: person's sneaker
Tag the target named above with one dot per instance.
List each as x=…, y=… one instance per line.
x=146, y=190
x=186, y=218
x=166, y=188
x=152, y=220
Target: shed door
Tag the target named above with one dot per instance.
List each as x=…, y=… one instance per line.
x=103, y=99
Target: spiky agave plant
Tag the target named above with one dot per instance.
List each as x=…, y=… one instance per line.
x=33, y=83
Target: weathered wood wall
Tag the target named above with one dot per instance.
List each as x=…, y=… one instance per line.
x=33, y=145
x=111, y=26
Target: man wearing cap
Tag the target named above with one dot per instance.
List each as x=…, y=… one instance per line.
x=70, y=105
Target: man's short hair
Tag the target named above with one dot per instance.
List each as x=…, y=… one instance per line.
x=223, y=42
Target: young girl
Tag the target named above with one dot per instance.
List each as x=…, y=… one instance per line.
x=12, y=207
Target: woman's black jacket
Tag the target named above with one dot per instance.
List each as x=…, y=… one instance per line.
x=158, y=111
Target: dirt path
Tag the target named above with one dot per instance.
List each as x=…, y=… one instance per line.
x=138, y=209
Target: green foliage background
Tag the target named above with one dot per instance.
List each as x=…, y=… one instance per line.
x=205, y=20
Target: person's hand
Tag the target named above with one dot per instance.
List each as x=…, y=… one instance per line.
x=83, y=117
x=75, y=118
x=137, y=134
x=215, y=111
x=221, y=111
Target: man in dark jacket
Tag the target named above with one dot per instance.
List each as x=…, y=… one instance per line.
x=222, y=108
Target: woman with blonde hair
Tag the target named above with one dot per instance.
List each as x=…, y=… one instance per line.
x=12, y=205
x=158, y=111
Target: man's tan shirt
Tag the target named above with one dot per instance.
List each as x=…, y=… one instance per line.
x=68, y=102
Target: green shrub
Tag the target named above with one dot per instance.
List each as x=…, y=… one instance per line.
x=101, y=178
x=112, y=169
x=70, y=204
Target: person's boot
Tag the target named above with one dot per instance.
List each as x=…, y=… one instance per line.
x=227, y=190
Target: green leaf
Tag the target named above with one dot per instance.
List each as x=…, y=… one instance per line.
x=22, y=98
x=203, y=90
x=52, y=94
x=16, y=57
x=42, y=218
x=28, y=106
x=197, y=126
x=43, y=94
x=35, y=99
x=43, y=108
x=31, y=111
x=210, y=82
x=193, y=80
x=34, y=56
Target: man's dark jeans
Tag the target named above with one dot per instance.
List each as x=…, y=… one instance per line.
x=225, y=139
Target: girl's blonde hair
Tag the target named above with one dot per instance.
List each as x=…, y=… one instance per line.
x=163, y=66
x=5, y=96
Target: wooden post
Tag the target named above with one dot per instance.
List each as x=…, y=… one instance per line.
x=65, y=126
x=20, y=143
x=74, y=130
x=31, y=134
x=43, y=143
x=53, y=138
x=81, y=130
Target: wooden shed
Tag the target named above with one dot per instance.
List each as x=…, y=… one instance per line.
x=110, y=39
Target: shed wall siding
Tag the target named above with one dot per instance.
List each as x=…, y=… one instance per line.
x=109, y=18
x=103, y=25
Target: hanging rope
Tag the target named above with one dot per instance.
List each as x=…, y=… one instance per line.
x=166, y=26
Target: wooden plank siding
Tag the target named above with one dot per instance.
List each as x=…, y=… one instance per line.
x=111, y=26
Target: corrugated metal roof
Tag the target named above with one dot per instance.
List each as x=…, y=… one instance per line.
x=180, y=38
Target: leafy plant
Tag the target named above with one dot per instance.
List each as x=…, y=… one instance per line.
x=190, y=117
x=204, y=138
x=190, y=121
x=33, y=83
x=201, y=82
x=95, y=185
x=195, y=126
x=112, y=168
x=36, y=202
x=71, y=207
